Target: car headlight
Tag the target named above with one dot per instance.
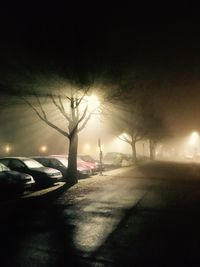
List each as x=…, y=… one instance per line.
x=55, y=174
x=26, y=177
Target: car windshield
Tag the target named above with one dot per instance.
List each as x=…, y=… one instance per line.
x=112, y=155
x=3, y=168
x=31, y=163
x=63, y=161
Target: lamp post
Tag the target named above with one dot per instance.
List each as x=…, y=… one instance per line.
x=94, y=105
x=100, y=156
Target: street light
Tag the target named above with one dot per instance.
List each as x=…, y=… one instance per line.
x=194, y=138
x=100, y=156
x=87, y=147
x=194, y=143
x=7, y=149
x=93, y=101
x=43, y=149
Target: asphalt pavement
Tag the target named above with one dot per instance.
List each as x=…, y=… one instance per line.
x=144, y=216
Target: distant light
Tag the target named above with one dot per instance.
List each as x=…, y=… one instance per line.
x=193, y=138
x=123, y=136
x=7, y=149
x=43, y=149
x=87, y=147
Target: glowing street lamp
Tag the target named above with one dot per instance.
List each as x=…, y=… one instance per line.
x=7, y=149
x=194, y=138
x=194, y=142
x=43, y=149
x=100, y=156
x=93, y=102
x=87, y=147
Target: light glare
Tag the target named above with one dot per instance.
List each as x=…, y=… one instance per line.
x=194, y=138
x=43, y=149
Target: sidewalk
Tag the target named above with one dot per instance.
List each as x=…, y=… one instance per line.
x=14, y=207
x=95, y=178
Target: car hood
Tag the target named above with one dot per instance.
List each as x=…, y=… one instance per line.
x=82, y=168
x=45, y=170
x=12, y=173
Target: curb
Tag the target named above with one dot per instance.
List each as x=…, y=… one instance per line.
x=14, y=207
x=41, y=194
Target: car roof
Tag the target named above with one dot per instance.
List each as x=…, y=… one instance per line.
x=36, y=157
x=45, y=157
x=20, y=158
x=59, y=155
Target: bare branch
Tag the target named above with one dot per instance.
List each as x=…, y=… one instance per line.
x=44, y=118
x=124, y=139
x=61, y=103
x=69, y=98
x=84, y=114
x=33, y=107
x=60, y=106
x=56, y=128
x=85, y=122
x=40, y=106
x=80, y=99
x=84, y=94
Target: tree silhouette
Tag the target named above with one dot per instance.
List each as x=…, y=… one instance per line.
x=75, y=106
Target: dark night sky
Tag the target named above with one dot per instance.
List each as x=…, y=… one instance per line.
x=87, y=37
x=163, y=41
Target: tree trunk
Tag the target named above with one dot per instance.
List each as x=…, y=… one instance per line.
x=134, y=154
x=152, y=149
x=72, y=159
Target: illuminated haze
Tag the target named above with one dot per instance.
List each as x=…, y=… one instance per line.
x=160, y=49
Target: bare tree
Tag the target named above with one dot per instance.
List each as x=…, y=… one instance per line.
x=74, y=105
x=155, y=131
x=138, y=120
x=129, y=126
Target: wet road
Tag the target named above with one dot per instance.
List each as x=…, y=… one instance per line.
x=145, y=216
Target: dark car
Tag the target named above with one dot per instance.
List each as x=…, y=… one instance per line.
x=13, y=183
x=53, y=162
x=43, y=176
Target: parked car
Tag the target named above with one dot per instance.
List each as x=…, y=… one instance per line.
x=43, y=176
x=90, y=165
x=116, y=159
x=88, y=158
x=13, y=183
x=57, y=163
x=82, y=170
